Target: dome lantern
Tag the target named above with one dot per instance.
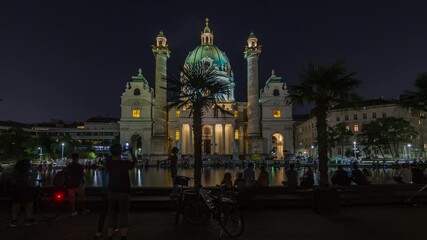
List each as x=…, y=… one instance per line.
x=161, y=40
x=207, y=35
x=252, y=41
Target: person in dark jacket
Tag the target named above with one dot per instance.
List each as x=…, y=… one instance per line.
x=118, y=190
x=22, y=192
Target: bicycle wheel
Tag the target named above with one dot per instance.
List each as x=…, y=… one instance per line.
x=47, y=207
x=231, y=220
x=195, y=210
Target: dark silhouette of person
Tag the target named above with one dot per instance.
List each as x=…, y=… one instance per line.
x=340, y=177
x=358, y=176
x=22, y=192
x=307, y=179
x=104, y=204
x=418, y=175
x=118, y=190
x=249, y=175
x=74, y=174
x=173, y=163
x=263, y=180
x=291, y=177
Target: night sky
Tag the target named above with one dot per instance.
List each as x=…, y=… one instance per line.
x=71, y=61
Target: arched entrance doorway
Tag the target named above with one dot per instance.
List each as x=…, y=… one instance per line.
x=277, y=144
x=207, y=136
x=136, y=143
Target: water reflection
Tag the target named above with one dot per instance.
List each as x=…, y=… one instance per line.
x=160, y=177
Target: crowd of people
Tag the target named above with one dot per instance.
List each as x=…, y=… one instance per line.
x=116, y=185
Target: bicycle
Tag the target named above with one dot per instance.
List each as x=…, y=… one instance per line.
x=49, y=202
x=197, y=209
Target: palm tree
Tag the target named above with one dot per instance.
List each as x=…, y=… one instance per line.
x=199, y=89
x=323, y=86
x=417, y=99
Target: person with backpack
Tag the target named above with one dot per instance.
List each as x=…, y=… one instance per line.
x=74, y=174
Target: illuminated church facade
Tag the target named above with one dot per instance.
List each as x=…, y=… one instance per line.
x=261, y=127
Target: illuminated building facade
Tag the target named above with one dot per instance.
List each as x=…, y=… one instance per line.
x=258, y=128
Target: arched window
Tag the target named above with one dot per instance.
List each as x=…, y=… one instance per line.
x=276, y=92
x=177, y=136
x=136, y=92
x=206, y=64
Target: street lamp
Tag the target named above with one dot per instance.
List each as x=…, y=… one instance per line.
x=409, y=150
x=62, y=150
x=41, y=153
x=355, y=149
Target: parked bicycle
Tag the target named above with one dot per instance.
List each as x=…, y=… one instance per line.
x=197, y=209
x=49, y=201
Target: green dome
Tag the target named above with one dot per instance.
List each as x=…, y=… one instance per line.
x=211, y=51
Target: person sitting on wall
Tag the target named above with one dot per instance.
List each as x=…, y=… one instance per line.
x=307, y=179
x=291, y=177
x=340, y=177
x=262, y=180
x=357, y=176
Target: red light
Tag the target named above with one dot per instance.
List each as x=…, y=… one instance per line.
x=59, y=196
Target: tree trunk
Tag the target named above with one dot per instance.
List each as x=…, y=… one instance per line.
x=197, y=129
x=322, y=138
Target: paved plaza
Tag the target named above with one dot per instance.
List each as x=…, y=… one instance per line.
x=386, y=222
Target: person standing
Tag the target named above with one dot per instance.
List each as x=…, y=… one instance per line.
x=104, y=204
x=23, y=192
x=249, y=175
x=118, y=190
x=173, y=163
x=74, y=183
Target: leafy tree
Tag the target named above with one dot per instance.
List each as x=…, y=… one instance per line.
x=15, y=143
x=340, y=134
x=417, y=99
x=323, y=86
x=198, y=89
x=388, y=133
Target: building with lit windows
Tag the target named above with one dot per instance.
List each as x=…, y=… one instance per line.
x=261, y=127
x=354, y=119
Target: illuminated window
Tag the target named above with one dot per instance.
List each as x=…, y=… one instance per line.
x=136, y=113
x=177, y=135
x=276, y=113
x=356, y=127
x=236, y=134
x=177, y=113
x=425, y=146
x=347, y=127
x=236, y=113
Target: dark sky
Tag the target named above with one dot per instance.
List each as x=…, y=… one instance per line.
x=72, y=60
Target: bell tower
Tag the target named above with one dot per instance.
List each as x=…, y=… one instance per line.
x=251, y=54
x=161, y=53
